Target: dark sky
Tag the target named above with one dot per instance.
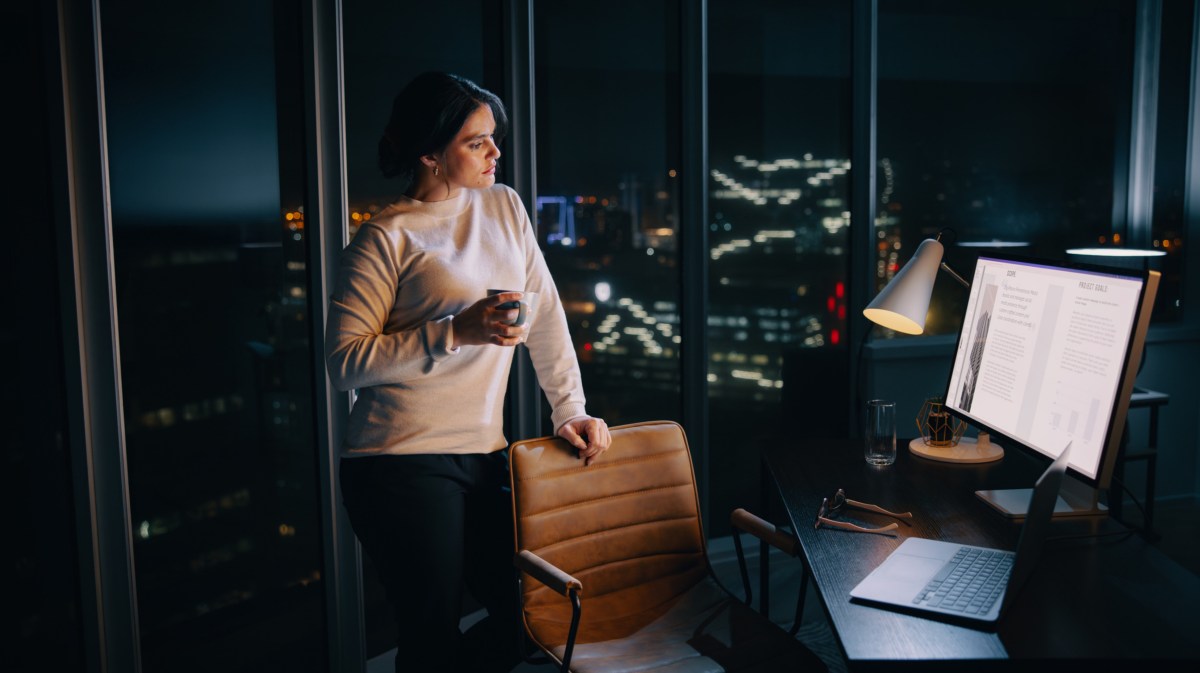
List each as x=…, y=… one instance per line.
x=191, y=114
x=386, y=45
x=191, y=89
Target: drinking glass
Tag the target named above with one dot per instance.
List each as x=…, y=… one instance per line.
x=880, y=432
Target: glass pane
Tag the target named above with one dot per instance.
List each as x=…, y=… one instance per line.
x=42, y=557
x=1169, y=228
x=1004, y=122
x=779, y=131
x=608, y=115
x=386, y=45
x=205, y=134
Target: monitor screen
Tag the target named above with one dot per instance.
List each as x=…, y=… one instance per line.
x=1043, y=353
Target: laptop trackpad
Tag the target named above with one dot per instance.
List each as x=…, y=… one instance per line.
x=898, y=578
x=911, y=570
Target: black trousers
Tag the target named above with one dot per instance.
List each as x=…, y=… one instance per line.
x=430, y=523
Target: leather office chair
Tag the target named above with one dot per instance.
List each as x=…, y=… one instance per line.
x=614, y=573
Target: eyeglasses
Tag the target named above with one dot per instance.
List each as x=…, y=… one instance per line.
x=838, y=501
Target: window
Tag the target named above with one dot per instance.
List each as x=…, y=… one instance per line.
x=608, y=217
x=779, y=216
x=1168, y=231
x=386, y=45
x=1003, y=122
x=203, y=108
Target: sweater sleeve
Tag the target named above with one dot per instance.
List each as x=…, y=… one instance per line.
x=357, y=351
x=548, y=340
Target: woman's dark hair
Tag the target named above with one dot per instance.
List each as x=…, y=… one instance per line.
x=426, y=115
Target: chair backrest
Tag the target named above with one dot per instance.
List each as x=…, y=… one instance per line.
x=627, y=527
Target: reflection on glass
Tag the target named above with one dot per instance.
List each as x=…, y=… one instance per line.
x=1168, y=227
x=608, y=196
x=216, y=360
x=778, y=231
x=995, y=141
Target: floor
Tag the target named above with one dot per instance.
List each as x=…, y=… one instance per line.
x=1176, y=530
x=1176, y=525
x=785, y=583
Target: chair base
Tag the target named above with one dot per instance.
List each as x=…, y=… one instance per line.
x=706, y=631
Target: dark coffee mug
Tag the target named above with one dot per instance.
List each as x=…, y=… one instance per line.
x=524, y=306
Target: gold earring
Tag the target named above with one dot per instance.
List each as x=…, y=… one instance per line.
x=435, y=170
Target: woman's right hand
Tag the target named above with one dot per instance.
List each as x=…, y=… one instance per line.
x=483, y=323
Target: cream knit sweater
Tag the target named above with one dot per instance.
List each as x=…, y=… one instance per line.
x=403, y=278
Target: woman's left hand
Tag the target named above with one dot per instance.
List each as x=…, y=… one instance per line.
x=595, y=430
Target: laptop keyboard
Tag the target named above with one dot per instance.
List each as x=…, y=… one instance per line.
x=970, y=583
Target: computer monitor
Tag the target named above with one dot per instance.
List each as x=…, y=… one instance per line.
x=1048, y=352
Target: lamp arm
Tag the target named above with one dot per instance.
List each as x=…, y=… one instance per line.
x=954, y=274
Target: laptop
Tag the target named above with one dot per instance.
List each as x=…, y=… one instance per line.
x=971, y=583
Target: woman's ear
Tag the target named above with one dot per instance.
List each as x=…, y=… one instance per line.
x=429, y=160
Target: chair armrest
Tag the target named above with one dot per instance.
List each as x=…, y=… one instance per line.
x=547, y=573
x=745, y=521
x=552, y=576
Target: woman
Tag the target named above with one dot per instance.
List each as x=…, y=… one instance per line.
x=423, y=470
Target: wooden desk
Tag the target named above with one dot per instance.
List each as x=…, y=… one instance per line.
x=1091, y=603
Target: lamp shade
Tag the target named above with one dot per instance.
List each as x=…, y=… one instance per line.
x=902, y=305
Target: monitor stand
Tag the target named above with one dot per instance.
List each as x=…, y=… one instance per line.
x=1074, y=499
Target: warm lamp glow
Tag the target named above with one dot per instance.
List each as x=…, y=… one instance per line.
x=893, y=321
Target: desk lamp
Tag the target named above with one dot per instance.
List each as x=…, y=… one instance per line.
x=902, y=306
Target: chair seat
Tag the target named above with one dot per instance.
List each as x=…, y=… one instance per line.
x=706, y=631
